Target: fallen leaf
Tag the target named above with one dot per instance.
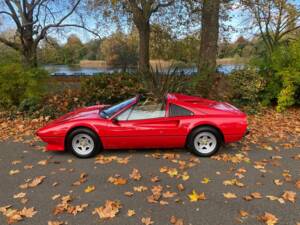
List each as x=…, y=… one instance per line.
x=156, y=194
x=248, y=198
x=55, y=223
x=130, y=212
x=89, y=188
x=135, y=174
x=229, y=195
x=13, y=172
x=163, y=202
x=35, y=182
x=298, y=184
x=15, y=162
x=176, y=221
x=27, y=167
x=180, y=187
x=172, y=172
x=278, y=182
x=147, y=221
x=140, y=188
x=28, y=212
x=289, y=196
x=65, y=206
x=256, y=195
x=128, y=193
x=43, y=162
x=14, y=215
x=109, y=210
x=117, y=180
x=155, y=179
x=54, y=197
x=194, y=196
x=169, y=194
x=82, y=179
x=274, y=198
x=20, y=195
x=269, y=218
x=244, y=213
x=185, y=176
x=233, y=182
x=205, y=180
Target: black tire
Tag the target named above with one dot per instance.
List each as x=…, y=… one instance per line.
x=97, y=144
x=206, y=129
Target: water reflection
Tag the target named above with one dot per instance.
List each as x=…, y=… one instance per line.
x=65, y=70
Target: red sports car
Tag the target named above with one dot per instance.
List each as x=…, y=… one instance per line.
x=179, y=121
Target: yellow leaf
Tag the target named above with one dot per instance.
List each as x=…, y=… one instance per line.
x=89, y=189
x=229, y=195
x=194, y=196
x=172, y=172
x=205, y=180
x=185, y=176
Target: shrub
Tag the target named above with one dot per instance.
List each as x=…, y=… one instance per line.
x=20, y=86
x=286, y=66
x=110, y=88
x=246, y=85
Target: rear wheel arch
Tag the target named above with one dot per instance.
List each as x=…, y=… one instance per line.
x=201, y=126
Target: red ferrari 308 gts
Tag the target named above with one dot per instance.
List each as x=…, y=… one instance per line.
x=180, y=121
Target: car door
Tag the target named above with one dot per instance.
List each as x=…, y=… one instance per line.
x=142, y=131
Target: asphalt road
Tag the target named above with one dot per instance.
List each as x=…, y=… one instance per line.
x=64, y=169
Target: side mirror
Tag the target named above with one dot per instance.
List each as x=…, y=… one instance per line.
x=115, y=121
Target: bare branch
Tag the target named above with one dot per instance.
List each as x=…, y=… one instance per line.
x=10, y=44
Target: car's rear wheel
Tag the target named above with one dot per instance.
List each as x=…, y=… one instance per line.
x=205, y=141
x=83, y=143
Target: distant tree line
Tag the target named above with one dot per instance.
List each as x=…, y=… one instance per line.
x=121, y=50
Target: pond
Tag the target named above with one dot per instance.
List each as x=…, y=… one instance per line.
x=66, y=70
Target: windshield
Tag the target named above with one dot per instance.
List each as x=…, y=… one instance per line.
x=107, y=113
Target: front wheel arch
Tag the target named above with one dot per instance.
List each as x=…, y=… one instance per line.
x=80, y=127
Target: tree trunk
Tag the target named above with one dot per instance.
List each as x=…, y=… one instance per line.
x=29, y=51
x=144, y=40
x=209, y=36
x=30, y=57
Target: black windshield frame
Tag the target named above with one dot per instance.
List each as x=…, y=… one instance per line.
x=113, y=110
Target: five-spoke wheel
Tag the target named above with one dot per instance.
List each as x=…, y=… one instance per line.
x=204, y=141
x=83, y=143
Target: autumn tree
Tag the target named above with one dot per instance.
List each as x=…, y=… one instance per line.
x=33, y=19
x=161, y=43
x=275, y=20
x=49, y=51
x=120, y=50
x=74, y=50
x=140, y=12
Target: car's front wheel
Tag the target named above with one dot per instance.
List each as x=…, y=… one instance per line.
x=205, y=141
x=83, y=143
